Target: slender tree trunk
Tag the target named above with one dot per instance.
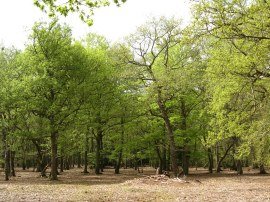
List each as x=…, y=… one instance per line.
x=97, y=166
x=164, y=158
x=101, y=155
x=85, y=162
x=86, y=147
x=223, y=157
x=262, y=169
x=185, y=155
x=7, y=164
x=168, y=166
x=41, y=160
x=6, y=154
x=62, y=163
x=118, y=163
x=23, y=164
x=54, y=165
x=79, y=160
x=120, y=152
x=98, y=151
x=173, y=154
x=24, y=155
x=239, y=167
x=67, y=163
x=160, y=165
x=72, y=161
x=12, y=163
x=210, y=160
x=185, y=159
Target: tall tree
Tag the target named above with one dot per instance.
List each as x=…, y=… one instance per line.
x=10, y=98
x=56, y=69
x=238, y=67
x=160, y=59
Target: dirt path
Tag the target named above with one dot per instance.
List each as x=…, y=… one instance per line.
x=131, y=186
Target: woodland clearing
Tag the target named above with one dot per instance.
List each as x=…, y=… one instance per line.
x=133, y=186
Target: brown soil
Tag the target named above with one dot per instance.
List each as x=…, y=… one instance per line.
x=132, y=186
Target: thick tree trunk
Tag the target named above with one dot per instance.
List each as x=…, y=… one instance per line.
x=173, y=154
x=54, y=165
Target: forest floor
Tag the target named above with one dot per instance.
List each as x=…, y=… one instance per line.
x=133, y=186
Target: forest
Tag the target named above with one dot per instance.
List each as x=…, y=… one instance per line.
x=167, y=96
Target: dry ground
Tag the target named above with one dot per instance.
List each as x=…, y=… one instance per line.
x=131, y=186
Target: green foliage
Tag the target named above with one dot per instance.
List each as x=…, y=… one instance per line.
x=84, y=8
x=203, y=90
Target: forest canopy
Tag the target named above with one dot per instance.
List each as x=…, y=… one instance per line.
x=167, y=96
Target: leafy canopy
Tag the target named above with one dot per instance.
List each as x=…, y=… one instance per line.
x=84, y=8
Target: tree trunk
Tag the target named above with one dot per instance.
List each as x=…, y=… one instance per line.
x=12, y=163
x=98, y=151
x=41, y=160
x=173, y=154
x=160, y=165
x=23, y=165
x=185, y=161
x=6, y=154
x=222, y=158
x=7, y=164
x=101, y=155
x=120, y=152
x=185, y=154
x=239, y=167
x=262, y=169
x=23, y=158
x=79, y=160
x=210, y=160
x=67, y=163
x=118, y=163
x=164, y=158
x=62, y=163
x=86, y=148
x=54, y=165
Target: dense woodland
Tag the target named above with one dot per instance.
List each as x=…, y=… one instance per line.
x=167, y=96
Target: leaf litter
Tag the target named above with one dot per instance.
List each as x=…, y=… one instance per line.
x=132, y=186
